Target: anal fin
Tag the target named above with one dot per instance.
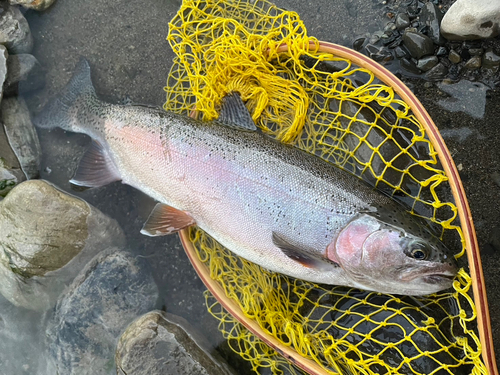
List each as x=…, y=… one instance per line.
x=165, y=220
x=308, y=258
x=96, y=168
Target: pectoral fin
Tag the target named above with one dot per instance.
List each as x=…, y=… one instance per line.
x=308, y=258
x=234, y=113
x=165, y=220
x=96, y=168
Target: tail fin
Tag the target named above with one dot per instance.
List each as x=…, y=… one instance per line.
x=57, y=112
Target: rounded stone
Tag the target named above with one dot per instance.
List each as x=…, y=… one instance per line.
x=472, y=19
x=418, y=44
x=426, y=63
x=491, y=60
x=454, y=57
x=160, y=343
x=33, y=4
x=473, y=63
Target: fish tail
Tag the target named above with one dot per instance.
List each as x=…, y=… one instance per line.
x=79, y=93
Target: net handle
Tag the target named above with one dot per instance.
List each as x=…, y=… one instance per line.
x=472, y=248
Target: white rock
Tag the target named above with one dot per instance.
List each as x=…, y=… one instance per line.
x=472, y=19
x=33, y=4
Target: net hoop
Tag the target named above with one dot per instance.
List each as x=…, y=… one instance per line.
x=473, y=255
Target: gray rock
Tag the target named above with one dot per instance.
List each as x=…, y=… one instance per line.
x=33, y=4
x=109, y=293
x=23, y=71
x=454, y=57
x=15, y=32
x=4, y=55
x=490, y=60
x=426, y=63
x=437, y=73
x=160, y=343
x=476, y=51
x=431, y=16
x=473, y=63
x=468, y=97
x=418, y=44
x=46, y=237
x=21, y=135
x=402, y=21
x=442, y=51
x=472, y=19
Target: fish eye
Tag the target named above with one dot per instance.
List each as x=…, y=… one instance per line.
x=418, y=253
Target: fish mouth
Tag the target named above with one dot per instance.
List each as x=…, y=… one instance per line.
x=438, y=278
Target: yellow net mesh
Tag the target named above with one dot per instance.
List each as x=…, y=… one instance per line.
x=329, y=107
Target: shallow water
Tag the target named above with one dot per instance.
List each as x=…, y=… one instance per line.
x=125, y=45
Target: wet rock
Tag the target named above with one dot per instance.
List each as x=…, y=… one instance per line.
x=24, y=73
x=442, y=51
x=402, y=21
x=3, y=67
x=465, y=96
x=471, y=19
x=108, y=294
x=400, y=52
x=160, y=343
x=21, y=135
x=46, y=237
x=33, y=4
x=436, y=73
x=358, y=43
x=418, y=44
x=490, y=60
x=426, y=63
x=15, y=32
x=476, y=51
x=473, y=63
x=431, y=16
x=454, y=57
x=409, y=66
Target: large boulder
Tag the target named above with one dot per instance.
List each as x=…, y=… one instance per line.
x=46, y=237
x=110, y=292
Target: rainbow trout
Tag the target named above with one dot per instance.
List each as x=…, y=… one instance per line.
x=270, y=203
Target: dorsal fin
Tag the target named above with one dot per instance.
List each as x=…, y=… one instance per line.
x=96, y=168
x=307, y=258
x=165, y=220
x=234, y=113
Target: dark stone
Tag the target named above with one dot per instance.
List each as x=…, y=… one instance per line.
x=473, y=63
x=437, y=73
x=454, y=72
x=371, y=49
x=454, y=57
x=389, y=39
x=491, y=60
x=400, y=52
x=107, y=295
x=431, y=16
x=442, y=51
x=418, y=44
x=402, y=21
x=358, y=43
x=476, y=51
x=409, y=66
x=426, y=63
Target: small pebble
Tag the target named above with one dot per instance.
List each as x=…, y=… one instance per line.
x=402, y=21
x=454, y=57
x=473, y=62
x=442, y=51
x=436, y=73
x=476, y=51
x=418, y=44
x=491, y=60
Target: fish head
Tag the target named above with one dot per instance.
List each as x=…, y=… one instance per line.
x=396, y=259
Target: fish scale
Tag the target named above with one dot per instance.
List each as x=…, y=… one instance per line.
x=270, y=203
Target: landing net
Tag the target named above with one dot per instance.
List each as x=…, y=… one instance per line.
x=340, y=112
